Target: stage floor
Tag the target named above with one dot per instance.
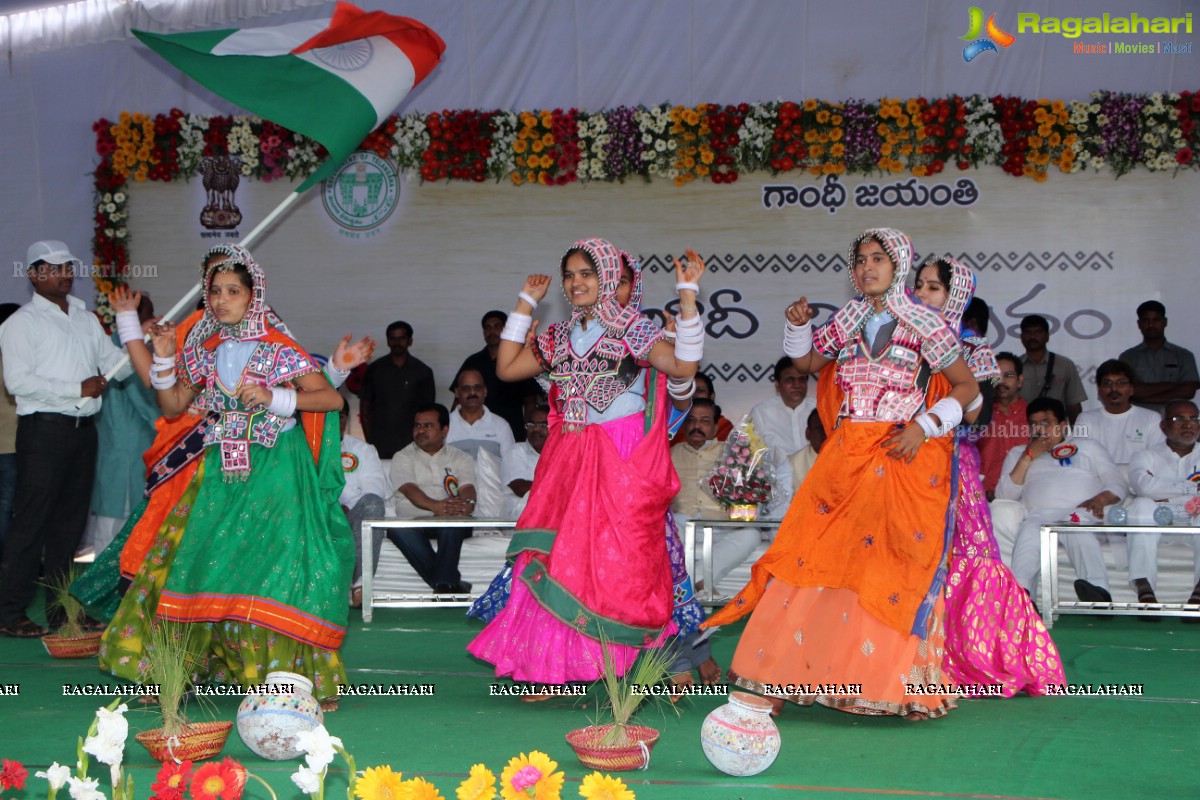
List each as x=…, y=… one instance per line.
x=1068, y=747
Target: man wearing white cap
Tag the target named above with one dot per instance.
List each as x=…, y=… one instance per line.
x=55, y=354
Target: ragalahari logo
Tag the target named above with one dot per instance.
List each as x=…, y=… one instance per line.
x=995, y=36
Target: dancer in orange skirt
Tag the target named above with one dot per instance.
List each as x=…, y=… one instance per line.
x=848, y=601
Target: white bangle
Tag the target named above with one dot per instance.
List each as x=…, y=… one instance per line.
x=688, y=285
x=283, y=401
x=164, y=362
x=689, y=339
x=162, y=382
x=337, y=376
x=949, y=412
x=517, y=326
x=928, y=425
x=681, y=388
x=976, y=403
x=129, y=328
x=797, y=340
x=533, y=303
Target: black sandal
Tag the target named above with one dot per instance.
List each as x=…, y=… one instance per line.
x=25, y=629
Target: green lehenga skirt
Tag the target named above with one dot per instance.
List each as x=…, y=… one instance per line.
x=259, y=570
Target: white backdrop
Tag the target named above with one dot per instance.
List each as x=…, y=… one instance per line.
x=1082, y=250
x=521, y=54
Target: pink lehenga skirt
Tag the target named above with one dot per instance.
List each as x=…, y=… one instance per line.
x=994, y=636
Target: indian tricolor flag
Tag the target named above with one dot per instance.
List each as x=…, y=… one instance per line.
x=332, y=80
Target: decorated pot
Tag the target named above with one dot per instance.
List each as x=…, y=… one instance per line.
x=740, y=738
x=268, y=720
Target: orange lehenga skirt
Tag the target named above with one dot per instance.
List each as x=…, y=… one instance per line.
x=846, y=609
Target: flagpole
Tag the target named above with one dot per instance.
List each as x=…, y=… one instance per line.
x=194, y=292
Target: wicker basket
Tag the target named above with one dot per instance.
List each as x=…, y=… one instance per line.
x=197, y=742
x=613, y=758
x=85, y=646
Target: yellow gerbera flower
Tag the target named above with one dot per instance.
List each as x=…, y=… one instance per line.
x=810, y=105
x=479, y=785
x=604, y=787
x=421, y=789
x=381, y=783
x=531, y=776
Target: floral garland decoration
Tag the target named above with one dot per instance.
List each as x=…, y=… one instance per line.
x=1116, y=131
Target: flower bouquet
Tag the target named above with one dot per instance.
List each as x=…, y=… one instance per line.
x=742, y=479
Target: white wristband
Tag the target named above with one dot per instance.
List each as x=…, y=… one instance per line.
x=517, y=326
x=533, y=303
x=162, y=382
x=949, y=412
x=337, y=376
x=797, y=341
x=681, y=388
x=129, y=328
x=688, y=285
x=976, y=403
x=689, y=339
x=283, y=401
x=928, y=425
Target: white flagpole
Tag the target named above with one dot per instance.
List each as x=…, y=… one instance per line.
x=194, y=292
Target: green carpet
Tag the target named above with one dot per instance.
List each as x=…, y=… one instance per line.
x=1065, y=747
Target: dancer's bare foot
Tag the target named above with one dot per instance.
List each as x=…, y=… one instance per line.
x=710, y=672
x=776, y=705
x=916, y=716
x=536, y=698
x=329, y=705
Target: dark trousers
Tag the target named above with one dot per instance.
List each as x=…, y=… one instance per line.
x=56, y=464
x=435, y=568
x=8, y=493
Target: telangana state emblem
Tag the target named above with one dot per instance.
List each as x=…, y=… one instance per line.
x=363, y=193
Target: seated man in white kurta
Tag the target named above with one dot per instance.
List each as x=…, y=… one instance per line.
x=1168, y=473
x=1060, y=479
x=520, y=462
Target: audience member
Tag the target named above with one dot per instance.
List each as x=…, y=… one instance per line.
x=363, y=496
x=394, y=386
x=1008, y=428
x=803, y=459
x=8, y=441
x=55, y=354
x=1164, y=371
x=430, y=475
x=472, y=425
x=705, y=391
x=694, y=461
x=124, y=432
x=1167, y=472
x=1057, y=479
x=1121, y=427
x=520, y=462
x=513, y=402
x=1048, y=374
x=781, y=421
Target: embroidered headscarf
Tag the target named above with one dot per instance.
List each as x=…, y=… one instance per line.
x=253, y=324
x=959, y=292
x=635, y=282
x=610, y=313
x=850, y=318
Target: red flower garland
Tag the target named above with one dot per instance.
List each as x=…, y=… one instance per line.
x=724, y=140
x=460, y=143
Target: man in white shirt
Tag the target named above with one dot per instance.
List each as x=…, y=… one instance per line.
x=1123, y=428
x=1167, y=473
x=520, y=462
x=694, y=460
x=802, y=460
x=473, y=425
x=782, y=420
x=55, y=354
x=1059, y=479
x=431, y=476
x=363, y=496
